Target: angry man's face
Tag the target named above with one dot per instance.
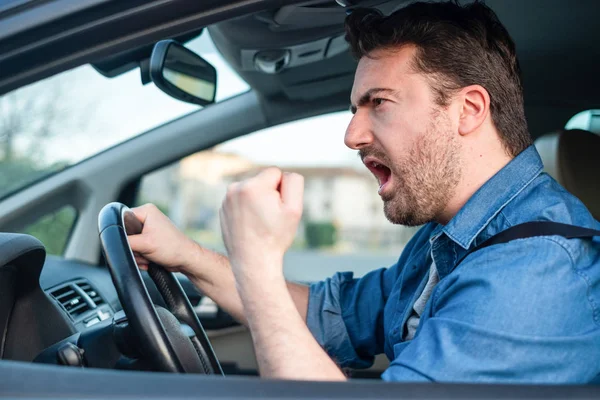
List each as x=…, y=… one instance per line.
x=408, y=141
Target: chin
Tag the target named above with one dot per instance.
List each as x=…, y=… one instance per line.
x=403, y=215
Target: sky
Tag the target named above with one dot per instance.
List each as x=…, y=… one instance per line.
x=101, y=112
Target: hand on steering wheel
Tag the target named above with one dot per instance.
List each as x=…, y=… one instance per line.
x=174, y=339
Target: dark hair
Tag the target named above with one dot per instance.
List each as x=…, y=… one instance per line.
x=457, y=46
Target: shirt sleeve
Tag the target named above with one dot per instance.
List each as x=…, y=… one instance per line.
x=345, y=315
x=517, y=313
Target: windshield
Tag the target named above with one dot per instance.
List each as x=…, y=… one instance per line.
x=55, y=123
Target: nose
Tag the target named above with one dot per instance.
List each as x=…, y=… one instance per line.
x=358, y=133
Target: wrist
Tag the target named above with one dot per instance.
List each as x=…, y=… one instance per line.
x=194, y=257
x=256, y=274
x=263, y=300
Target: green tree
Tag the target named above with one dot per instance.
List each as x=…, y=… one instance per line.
x=53, y=230
x=29, y=117
x=320, y=234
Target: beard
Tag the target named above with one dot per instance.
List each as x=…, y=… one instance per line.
x=426, y=179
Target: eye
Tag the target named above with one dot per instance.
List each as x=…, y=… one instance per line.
x=378, y=101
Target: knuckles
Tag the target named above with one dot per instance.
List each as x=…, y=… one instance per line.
x=246, y=190
x=271, y=171
x=232, y=191
x=240, y=190
x=150, y=209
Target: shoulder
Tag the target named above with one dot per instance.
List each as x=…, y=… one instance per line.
x=546, y=200
x=529, y=286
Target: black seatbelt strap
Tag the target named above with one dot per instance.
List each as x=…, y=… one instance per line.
x=537, y=228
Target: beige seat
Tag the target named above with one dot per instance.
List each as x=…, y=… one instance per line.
x=572, y=157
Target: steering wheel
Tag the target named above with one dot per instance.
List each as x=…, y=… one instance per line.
x=172, y=340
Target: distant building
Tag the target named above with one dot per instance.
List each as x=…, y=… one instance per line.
x=192, y=190
x=203, y=183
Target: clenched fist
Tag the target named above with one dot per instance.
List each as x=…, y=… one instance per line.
x=259, y=219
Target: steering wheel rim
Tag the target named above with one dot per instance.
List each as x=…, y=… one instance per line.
x=160, y=339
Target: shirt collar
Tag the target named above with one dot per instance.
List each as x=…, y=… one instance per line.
x=496, y=193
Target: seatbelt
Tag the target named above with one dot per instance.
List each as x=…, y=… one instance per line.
x=537, y=228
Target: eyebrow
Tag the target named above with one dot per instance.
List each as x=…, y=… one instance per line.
x=368, y=96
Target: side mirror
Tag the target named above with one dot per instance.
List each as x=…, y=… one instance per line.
x=183, y=74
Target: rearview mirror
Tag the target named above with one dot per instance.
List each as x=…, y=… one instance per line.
x=183, y=74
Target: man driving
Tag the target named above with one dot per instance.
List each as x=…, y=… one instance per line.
x=439, y=120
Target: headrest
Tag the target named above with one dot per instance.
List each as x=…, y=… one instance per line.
x=572, y=157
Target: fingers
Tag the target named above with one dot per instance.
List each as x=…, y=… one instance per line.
x=142, y=212
x=267, y=180
x=269, y=177
x=292, y=191
x=140, y=259
x=143, y=267
x=140, y=244
x=141, y=262
x=137, y=242
x=289, y=185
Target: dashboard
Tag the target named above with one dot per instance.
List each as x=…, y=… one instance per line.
x=83, y=291
x=47, y=300
x=92, y=285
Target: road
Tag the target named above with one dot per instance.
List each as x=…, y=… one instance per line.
x=310, y=266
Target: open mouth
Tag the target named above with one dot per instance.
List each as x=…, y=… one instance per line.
x=381, y=172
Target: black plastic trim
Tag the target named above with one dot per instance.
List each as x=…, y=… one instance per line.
x=60, y=382
x=100, y=32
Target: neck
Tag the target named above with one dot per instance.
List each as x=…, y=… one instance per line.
x=480, y=164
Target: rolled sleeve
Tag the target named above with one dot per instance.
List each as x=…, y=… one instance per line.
x=338, y=318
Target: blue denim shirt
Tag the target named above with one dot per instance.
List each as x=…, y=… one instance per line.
x=525, y=311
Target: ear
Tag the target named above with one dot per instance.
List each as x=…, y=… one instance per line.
x=475, y=108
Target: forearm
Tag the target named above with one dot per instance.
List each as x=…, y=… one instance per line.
x=285, y=348
x=211, y=273
x=259, y=219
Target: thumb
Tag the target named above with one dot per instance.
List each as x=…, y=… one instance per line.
x=292, y=191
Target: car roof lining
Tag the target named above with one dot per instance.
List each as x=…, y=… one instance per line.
x=555, y=43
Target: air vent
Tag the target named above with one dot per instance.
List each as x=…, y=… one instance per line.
x=71, y=300
x=90, y=291
x=83, y=303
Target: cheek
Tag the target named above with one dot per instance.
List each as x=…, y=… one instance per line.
x=397, y=130
x=387, y=122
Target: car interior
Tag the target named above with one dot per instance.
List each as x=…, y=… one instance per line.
x=73, y=326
